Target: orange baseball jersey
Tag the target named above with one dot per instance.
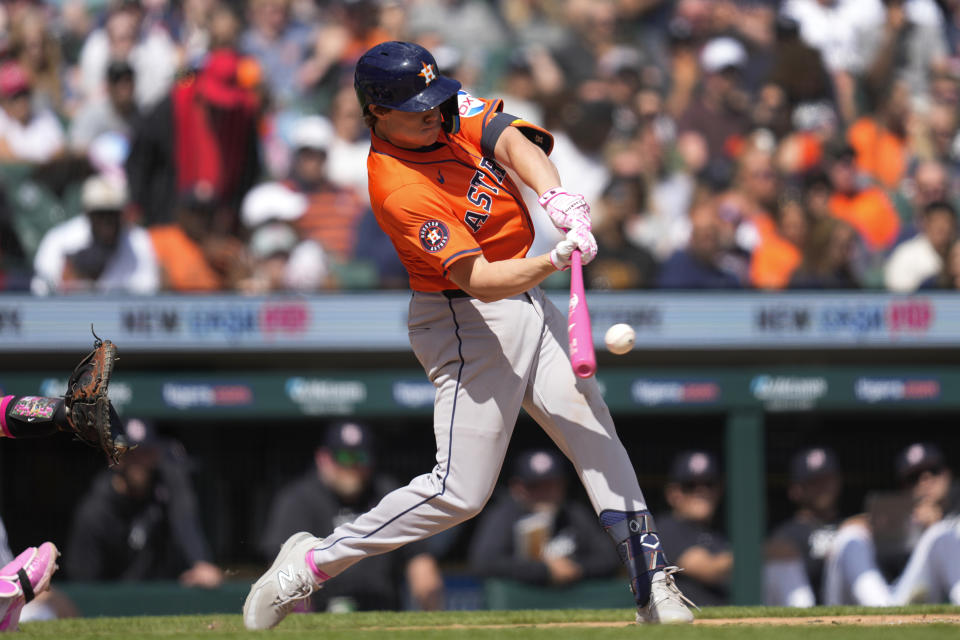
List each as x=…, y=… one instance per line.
x=451, y=200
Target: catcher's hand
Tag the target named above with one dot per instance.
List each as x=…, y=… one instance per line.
x=90, y=415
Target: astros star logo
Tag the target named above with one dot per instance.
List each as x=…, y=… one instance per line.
x=433, y=235
x=428, y=73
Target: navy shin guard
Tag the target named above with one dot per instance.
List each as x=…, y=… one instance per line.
x=638, y=544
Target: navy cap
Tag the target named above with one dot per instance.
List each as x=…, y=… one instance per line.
x=140, y=433
x=349, y=435
x=350, y=443
x=538, y=464
x=918, y=457
x=812, y=462
x=694, y=466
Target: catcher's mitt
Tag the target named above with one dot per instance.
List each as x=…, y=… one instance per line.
x=91, y=416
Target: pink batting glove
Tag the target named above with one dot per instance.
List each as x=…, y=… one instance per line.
x=566, y=210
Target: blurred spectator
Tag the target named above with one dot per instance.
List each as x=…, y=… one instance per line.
x=140, y=520
x=590, y=44
x=191, y=254
x=927, y=182
x=866, y=208
x=942, y=140
x=682, y=65
x=348, y=148
x=949, y=276
x=75, y=24
x=779, y=253
x=536, y=534
x=580, y=135
x=661, y=225
x=124, y=36
x=204, y=131
x=800, y=153
x=539, y=24
x=279, y=43
x=798, y=547
x=342, y=34
x=907, y=548
x=748, y=208
x=333, y=212
x=910, y=45
x=480, y=35
x=519, y=90
x=620, y=264
x=34, y=46
x=114, y=112
x=342, y=484
x=797, y=69
x=27, y=134
x=839, y=30
x=97, y=250
x=718, y=112
x=880, y=138
x=689, y=538
x=704, y=263
x=922, y=257
x=829, y=259
x=192, y=30
x=281, y=260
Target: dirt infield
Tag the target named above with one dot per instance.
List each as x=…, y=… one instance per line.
x=854, y=620
x=863, y=620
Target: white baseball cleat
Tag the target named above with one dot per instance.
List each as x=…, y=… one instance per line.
x=288, y=580
x=667, y=605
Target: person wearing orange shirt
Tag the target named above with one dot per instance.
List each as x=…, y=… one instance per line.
x=866, y=209
x=190, y=255
x=780, y=251
x=487, y=336
x=880, y=139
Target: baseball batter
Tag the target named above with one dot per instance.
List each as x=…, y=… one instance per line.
x=486, y=335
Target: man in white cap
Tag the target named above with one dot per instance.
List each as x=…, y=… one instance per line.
x=283, y=261
x=98, y=250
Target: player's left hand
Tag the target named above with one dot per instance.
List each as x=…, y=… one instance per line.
x=585, y=241
x=566, y=210
x=90, y=415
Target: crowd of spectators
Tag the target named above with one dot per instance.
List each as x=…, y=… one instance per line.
x=766, y=144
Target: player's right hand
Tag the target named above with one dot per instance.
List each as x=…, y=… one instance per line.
x=566, y=210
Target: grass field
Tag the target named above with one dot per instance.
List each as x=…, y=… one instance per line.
x=742, y=623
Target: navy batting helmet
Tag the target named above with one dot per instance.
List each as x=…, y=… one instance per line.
x=404, y=76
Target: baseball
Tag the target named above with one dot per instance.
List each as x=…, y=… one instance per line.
x=619, y=338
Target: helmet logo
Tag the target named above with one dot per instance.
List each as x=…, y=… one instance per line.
x=428, y=73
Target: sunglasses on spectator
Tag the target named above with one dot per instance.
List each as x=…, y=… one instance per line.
x=690, y=487
x=351, y=458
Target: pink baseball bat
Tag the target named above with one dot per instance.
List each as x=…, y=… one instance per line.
x=582, y=357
